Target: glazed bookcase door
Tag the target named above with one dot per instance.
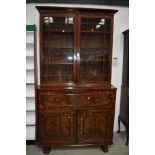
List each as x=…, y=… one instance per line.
x=95, y=49
x=57, y=57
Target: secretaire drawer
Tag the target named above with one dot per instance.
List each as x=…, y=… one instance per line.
x=55, y=100
x=95, y=99
x=50, y=100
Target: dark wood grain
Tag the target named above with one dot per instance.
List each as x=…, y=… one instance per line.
x=46, y=9
x=73, y=112
x=124, y=105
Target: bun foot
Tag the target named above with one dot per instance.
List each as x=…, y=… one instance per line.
x=104, y=148
x=46, y=150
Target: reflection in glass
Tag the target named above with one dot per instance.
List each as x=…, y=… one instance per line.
x=57, y=49
x=94, y=53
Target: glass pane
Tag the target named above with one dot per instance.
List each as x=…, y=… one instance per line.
x=58, y=49
x=94, y=53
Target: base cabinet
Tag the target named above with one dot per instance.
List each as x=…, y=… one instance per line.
x=71, y=118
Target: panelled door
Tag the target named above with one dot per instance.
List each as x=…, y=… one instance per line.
x=57, y=127
x=94, y=126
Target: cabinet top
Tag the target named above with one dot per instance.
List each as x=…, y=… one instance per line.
x=79, y=87
x=69, y=9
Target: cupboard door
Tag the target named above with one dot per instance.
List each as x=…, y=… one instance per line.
x=95, y=49
x=95, y=127
x=57, y=127
x=57, y=56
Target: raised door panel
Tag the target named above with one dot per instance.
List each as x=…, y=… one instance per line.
x=95, y=127
x=57, y=127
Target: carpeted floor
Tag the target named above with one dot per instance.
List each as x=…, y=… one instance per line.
x=119, y=148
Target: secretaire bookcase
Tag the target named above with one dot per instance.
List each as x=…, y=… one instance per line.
x=75, y=99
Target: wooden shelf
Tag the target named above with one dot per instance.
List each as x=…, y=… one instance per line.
x=59, y=23
x=94, y=60
x=58, y=63
x=55, y=75
x=59, y=32
x=88, y=74
x=97, y=32
x=94, y=23
x=94, y=48
x=54, y=48
x=61, y=48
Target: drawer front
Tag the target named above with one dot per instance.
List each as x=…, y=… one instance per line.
x=80, y=100
x=49, y=100
x=104, y=98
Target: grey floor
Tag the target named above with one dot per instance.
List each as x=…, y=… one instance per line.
x=119, y=148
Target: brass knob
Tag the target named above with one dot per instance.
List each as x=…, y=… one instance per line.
x=68, y=116
x=57, y=100
x=96, y=99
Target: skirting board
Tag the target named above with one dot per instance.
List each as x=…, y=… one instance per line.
x=30, y=142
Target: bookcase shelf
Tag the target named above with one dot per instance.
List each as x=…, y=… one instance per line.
x=30, y=82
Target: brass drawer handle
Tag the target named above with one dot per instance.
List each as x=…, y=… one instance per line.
x=57, y=100
x=96, y=99
x=69, y=117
